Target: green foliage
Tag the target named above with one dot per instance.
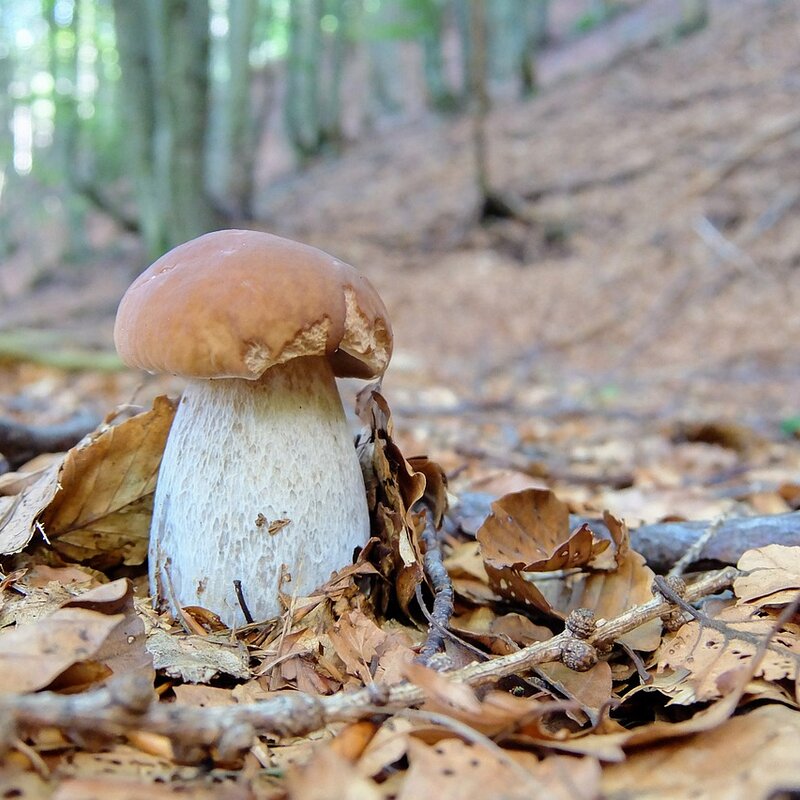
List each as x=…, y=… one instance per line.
x=790, y=426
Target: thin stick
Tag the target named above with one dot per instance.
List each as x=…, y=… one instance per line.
x=695, y=549
x=126, y=704
x=443, y=595
x=237, y=587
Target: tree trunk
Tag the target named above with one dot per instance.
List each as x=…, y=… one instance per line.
x=479, y=95
x=385, y=70
x=440, y=94
x=535, y=14
x=64, y=152
x=694, y=17
x=164, y=60
x=237, y=151
x=302, y=68
x=330, y=88
x=139, y=117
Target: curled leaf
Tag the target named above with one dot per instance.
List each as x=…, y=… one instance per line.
x=94, y=505
x=529, y=531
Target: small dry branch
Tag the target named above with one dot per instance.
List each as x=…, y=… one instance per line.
x=665, y=543
x=20, y=443
x=128, y=704
x=443, y=595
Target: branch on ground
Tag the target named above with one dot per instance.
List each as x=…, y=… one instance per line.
x=128, y=704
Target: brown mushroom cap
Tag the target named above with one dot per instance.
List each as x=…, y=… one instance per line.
x=234, y=303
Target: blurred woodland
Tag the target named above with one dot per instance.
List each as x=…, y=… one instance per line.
x=582, y=216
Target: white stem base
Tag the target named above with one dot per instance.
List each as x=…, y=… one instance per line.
x=256, y=474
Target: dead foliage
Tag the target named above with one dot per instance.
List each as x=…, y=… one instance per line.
x=555, y=640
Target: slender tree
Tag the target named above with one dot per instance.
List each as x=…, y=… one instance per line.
x=236, y=153
x=302, y=77
x=163, y=48
x=441, y=94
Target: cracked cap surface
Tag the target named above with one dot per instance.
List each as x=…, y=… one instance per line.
x=233, y=303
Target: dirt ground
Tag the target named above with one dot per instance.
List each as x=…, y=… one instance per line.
x=657, y=280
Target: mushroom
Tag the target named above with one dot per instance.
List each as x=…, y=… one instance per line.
x=259, y=469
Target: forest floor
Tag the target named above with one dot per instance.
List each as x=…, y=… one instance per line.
x=656, y=282
x=632, y=345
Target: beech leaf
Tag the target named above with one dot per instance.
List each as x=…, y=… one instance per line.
x=94, y=505
x=529, y=531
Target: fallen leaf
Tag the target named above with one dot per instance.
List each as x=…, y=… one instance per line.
x=750, y=756
x=712, y=657
x=529, y=531
x=351, y=741
x=124, y=650
x=495, y=712
x=32, y=656
x=388, y=745
x=94, y=506
x=773, y=575
x=456, y=770
x=609, y=593
x=394, y=488
x=591, y=690
x=355, y=638
x=328, y=775
x=197, y=659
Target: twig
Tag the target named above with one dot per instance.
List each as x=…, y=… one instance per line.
x=773, y=132
x=695, y=549
x=722, y=247
x=442, y=592
x=20, y=442
x=127, y=703
x=727, y=630
x=471, y=735
x=190, y=625
x=577, y=185
x=237, y=587
x=662, y=543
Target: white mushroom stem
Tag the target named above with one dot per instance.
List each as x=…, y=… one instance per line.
x=256, y=474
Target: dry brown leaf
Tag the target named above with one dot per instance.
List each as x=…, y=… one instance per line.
x=591, y=690
x=351, y=741
x=32, y=656
x=40, y=575
x=773, y=575
x=124, y=650
x=456, y=770
x=529, y=531
x=643, y=506
x=13, y=483
x=197, y=659
x=514, y=585
x=713, y=659
x=394, y=487
x=387, y=746
x=609, y=594
x=328, y=775
x=20, y=514
x=355, y=638
x=496, y=712
x=606, y=593
x=299, y=664
x=94, y=506
x=611, y=747
x=750, y=756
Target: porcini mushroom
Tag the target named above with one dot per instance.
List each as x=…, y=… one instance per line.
x=259, y=469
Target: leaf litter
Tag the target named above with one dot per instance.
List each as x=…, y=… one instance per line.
x=70, y=625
